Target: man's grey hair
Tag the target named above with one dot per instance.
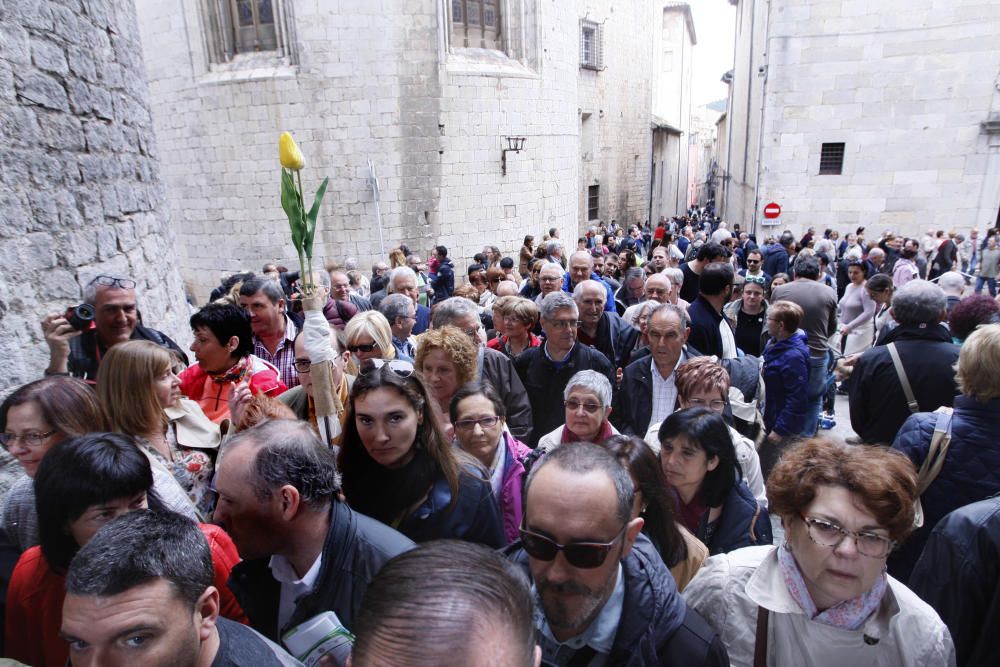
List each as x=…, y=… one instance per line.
x=289, y=453
x=584, y=284
x=554, y=302
x=399, y=272
x=952, y=282
x=271, y=289
x=396, y=305
x=592, y=381
x=138, y=548
x=584, y=457
x=919, y=302
x=634, y=273
x=676, y=275
x=673, y=309
x=552, y=245
x=552, y=266
x=90, y=291
x=448, y=311
x=807, y=267
x=351, y=264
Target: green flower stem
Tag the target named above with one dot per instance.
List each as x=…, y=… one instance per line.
x=307, y=284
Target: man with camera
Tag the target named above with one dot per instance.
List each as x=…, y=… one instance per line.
x=81, y=336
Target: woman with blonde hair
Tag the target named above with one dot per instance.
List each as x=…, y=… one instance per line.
x=397, y=258
x=368, y=336
x=518, y=316
x=141, y=396
x=446, y=359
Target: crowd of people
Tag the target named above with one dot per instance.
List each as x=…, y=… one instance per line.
x=612, y=455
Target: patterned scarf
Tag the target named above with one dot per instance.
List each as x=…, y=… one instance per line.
x=847, y=615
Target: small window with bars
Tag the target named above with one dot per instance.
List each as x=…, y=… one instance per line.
x=593, y=202
x=591, y=45
x=476, y=24
x=831, y=159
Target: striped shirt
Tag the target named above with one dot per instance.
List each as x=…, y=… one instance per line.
x=284, y=355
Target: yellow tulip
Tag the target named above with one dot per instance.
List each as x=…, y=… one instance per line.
x=289, y=153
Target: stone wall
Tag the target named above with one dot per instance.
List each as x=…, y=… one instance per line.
x=905, y=86
x=81, y=193
x=376, y=81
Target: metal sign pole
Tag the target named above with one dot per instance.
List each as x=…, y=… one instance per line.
x=378, y=206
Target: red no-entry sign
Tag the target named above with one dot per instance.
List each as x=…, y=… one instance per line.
x=772, y=211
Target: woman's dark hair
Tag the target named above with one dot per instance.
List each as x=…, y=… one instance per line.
x=67, y=404
x=880, y=282
x=649, y=480
x=858, y=263
x=706, y=430
x=528, y=240
x=359, y=469
x=477, y=388
x=970, y=312
x=226, y=321
x=79, y=473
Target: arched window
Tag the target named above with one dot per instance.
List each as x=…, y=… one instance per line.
x=253, y=25
x=476, y=24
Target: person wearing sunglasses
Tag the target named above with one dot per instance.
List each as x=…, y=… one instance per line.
x=400, y=468
x=604, y=594
x=478, y=416
x=33, y=419
x=706, y=482
x=823, y=598
x=587, y=406
x=368, y=336
x=748, y=316
x=755, y=262
x=116, y=319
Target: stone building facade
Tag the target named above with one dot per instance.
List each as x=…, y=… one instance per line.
x=81, y=193
x=850, y=113
x=428, y=91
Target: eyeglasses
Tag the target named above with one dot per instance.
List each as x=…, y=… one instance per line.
x=753, y=261
x=718, y=406
x=759, y=280
x=111, y=281
x=302, y=366
x=403, y=369
x=565, y=324
x=590, y=408
x=354, y=349
x=548, y=279
x=470, y=424
x=828, y=534
x=31, y=440
x=584, y=555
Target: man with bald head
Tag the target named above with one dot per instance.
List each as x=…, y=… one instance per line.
x=581, y=267
x=606, y=331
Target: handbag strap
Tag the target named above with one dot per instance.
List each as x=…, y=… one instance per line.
x=911, y=400
x=760, y=646
x=937, y=452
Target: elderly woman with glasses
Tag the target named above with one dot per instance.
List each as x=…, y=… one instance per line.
x=518, y=317
x=748, y=315
x=824, y=598
x=400, y=468
x=479, y=418
x=588, y=405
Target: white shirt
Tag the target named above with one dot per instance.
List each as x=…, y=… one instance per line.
x=664, y=392
x=496, y=470
x=292, y=588
x=728, y=340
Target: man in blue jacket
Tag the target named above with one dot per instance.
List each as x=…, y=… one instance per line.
x=443, y=281
x=604, y=593
x=581, y=267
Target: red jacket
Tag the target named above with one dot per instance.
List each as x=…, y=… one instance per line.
x=35, y=601
x=212, y=395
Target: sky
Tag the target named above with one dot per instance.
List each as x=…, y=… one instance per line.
x=713, y=54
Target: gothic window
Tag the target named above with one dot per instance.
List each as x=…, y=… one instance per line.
x=476, y=24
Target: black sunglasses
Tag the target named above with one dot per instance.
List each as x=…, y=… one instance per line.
x=584, y=555
x=354, y=349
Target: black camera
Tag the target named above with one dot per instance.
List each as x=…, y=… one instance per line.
x=80, y=317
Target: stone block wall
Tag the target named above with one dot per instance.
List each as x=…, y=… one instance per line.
x=372, y=81
x=80, y=188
